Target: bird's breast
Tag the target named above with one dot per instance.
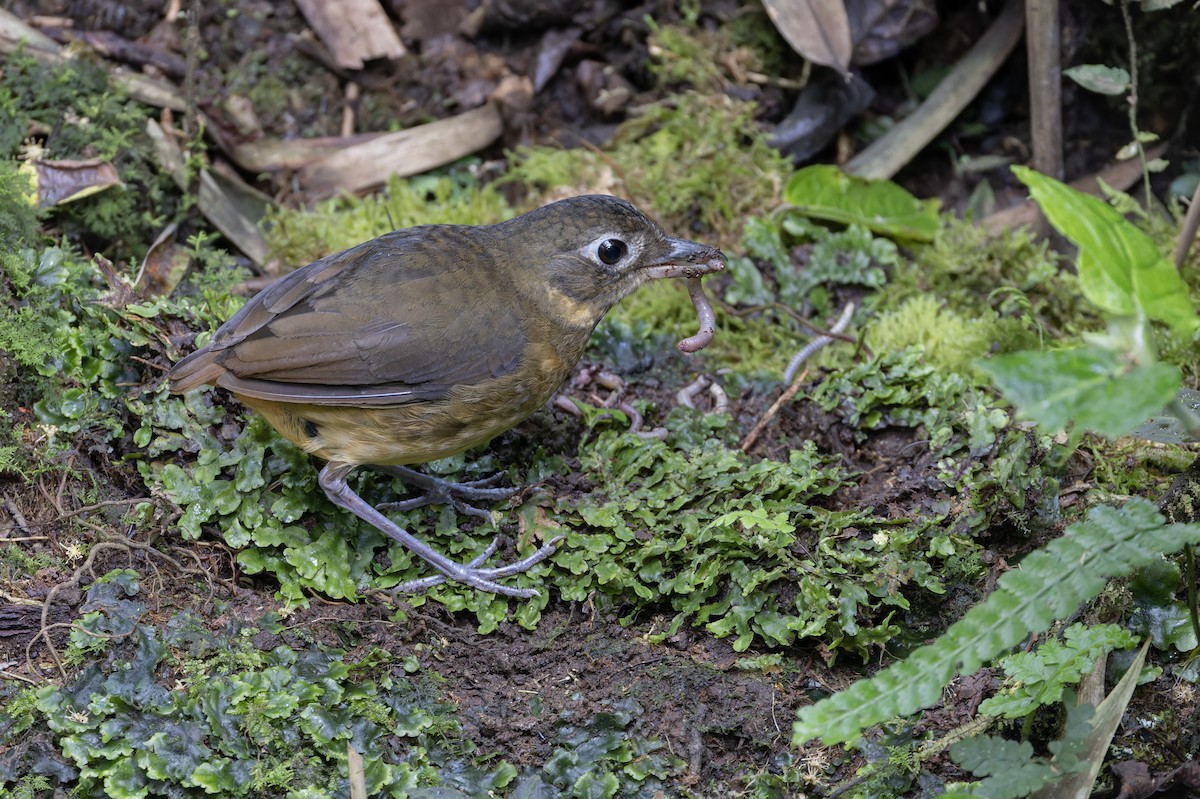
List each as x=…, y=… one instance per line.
x=417, y=432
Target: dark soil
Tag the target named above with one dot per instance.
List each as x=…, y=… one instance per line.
x=581, y=660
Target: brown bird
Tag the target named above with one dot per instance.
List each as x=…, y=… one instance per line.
x=428, y=341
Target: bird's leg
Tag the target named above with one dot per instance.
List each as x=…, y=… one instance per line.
x=439, y=491
x=333, y=481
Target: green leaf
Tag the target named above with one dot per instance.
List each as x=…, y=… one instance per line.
x=326, y=563
x=1165, y=625
x=1012, y=770
x=1120, y=268
x=1090, y=385
x=1038, y=678
x=216, y=777
x=1099, y=78
x=1168, y=428
x=1110, y=543
x=1081, y=775
x=826, y=192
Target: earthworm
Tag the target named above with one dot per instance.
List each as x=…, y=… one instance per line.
x=705, y=315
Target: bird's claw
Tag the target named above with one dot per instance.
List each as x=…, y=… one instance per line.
x=439, y=491
x=484, y=579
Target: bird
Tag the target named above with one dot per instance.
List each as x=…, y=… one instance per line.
x=430, y=340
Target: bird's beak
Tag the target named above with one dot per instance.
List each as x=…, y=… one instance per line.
x=686, y=259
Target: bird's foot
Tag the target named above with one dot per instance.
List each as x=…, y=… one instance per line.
x=333, y=481
x=439, y=491
x=484, y=579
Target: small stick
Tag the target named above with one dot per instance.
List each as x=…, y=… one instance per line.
x=762, y=423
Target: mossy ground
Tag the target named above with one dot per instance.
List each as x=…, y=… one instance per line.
x=230, y=632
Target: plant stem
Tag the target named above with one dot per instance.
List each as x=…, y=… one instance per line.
x=1132, y=99
x=1189, y=559
x=1186, y=417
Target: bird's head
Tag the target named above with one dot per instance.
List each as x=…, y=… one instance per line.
x=591, y=251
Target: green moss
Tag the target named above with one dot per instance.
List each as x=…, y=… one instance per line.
x=684, y=54
x=300, y=236
x=692, y=159
x=18, y=210
x=751, y=29
x=950, y=341
x=18, y=564
x=90, y=119
x=1011, y=274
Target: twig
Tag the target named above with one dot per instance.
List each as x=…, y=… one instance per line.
x=762, y=423
x=1187, y=233
x=1042, y=36
x=70, y=513
x=887, y=154
x=45, y=626
x=15, y=513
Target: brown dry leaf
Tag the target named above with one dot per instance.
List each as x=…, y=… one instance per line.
x=163, y=267
x=819, y=30
x=61, y=182
x=273, y=155
x=232, y=206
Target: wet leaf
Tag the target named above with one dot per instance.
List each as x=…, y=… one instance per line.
x=1099, y=78
x=1092, y=386
x=61, y=182
x=826, y=192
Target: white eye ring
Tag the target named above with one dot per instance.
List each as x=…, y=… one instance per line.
x=610, y=250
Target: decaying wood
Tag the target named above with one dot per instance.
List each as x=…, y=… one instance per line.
x=355, y=31
x=143, y=88
x=407, y=152
x=273, y=155
x=1119, y=176
x=893, y=150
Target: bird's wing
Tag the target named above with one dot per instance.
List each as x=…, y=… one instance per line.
x=378, y=324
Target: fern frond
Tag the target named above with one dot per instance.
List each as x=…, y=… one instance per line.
x=1049, y=585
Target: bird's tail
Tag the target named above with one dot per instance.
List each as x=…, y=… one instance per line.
x=195, y=370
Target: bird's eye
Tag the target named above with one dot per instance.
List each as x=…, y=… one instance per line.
x=611, y=250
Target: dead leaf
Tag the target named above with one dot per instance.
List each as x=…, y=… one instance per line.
x=59, y=182
x=406, y=152
x=163, y=267
x=819, y=30
x=232, y=206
